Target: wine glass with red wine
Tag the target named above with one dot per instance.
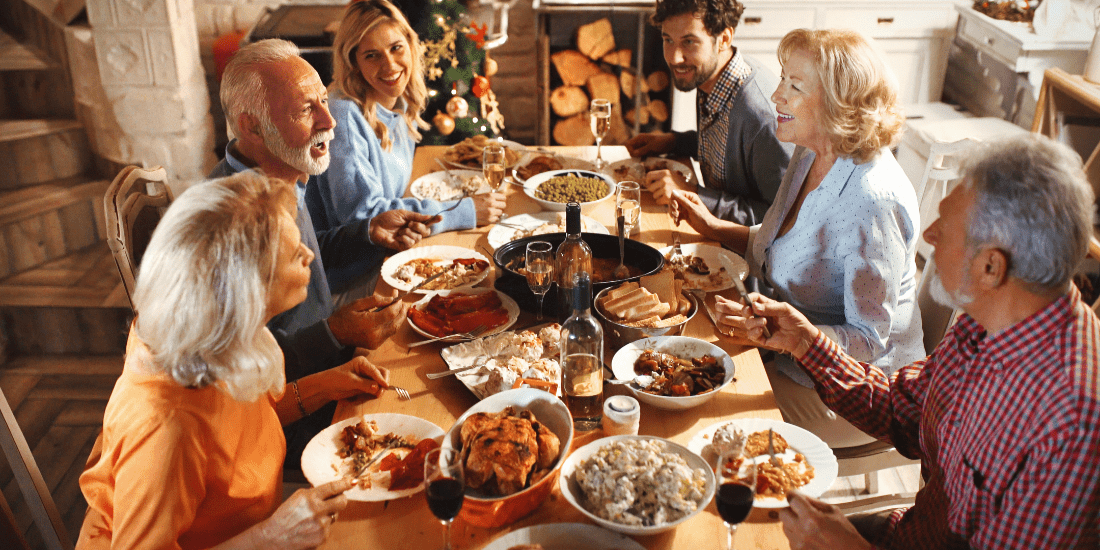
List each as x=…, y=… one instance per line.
x=736, y=490
x=445, y=487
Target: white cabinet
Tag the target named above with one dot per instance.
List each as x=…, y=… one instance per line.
x=914, y=36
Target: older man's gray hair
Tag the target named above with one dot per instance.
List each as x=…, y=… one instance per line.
x=242, y=89
x=1032, y=200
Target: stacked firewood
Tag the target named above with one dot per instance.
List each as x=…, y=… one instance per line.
x=596, y=69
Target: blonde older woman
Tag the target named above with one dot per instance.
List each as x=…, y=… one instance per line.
x=377, y=96
x=839, y=241
x=192, y=447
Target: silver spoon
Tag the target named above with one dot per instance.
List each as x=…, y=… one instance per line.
x=621, y=272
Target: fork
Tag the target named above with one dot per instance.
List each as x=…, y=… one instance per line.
x=375, y=458
x=771, y=450
x=674, y=212
x=402, y=393
x=477, y=331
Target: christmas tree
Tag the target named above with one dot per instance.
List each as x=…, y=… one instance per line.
x=461, y=103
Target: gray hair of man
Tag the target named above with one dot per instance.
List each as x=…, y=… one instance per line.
x=242, y=89
x=1032, y=200
x=202, y=291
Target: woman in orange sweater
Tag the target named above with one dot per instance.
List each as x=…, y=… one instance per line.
x=192, y=448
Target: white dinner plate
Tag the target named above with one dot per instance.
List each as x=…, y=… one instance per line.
x=436, y=185
x=509, y=304
x=500, y=234
x=321, y=464
x=817, y=453
x=565, y=536
x=515, y=146
x=635, y=169
x=715, y=257
x=445, y=254
x=567, y=163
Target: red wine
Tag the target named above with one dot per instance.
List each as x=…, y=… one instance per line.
x=734, y=502
x=445, y=497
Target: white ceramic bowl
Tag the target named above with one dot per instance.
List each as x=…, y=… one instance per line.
x=538, y=179
x=552, y=413
x=622, y=364
x=567, y=483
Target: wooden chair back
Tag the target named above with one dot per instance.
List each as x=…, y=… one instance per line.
x=134, y=204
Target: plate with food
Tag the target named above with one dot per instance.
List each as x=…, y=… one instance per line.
x=467, y=153
x=539, y=223
x=706, y=267
x=563, y=536
x=463, y=267
x=554, y=189
x=450, y=312
x=399, y=442
x=635, y=169
x=808, y=463
x=539, y=163
x=441, y=187
x=507, y=360
x=673, y=372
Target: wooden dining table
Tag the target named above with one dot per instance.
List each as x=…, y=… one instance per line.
x=407, y=522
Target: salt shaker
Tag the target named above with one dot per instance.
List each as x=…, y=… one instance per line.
x=621, y=415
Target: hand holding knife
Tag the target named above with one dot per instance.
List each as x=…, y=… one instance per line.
x=740, y=285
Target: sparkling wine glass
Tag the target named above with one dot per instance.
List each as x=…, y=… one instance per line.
x=540, y=269
x=493, y=164
x=736, y=490
x=599, y=112
x=628, y=204
x=445, y=487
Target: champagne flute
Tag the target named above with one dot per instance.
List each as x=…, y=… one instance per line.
x=628, y=204
x=736, y=490
x=493, y=163
x=599, y=113
x=540, y=269
x=445, y=488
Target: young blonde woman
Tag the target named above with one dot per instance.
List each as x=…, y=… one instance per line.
x=376, y=97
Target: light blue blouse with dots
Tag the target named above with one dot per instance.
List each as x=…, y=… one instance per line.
x=848, y=262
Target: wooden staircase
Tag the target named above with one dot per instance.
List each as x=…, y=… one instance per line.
x=63, y=312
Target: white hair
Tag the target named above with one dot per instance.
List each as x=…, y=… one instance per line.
x=202, y=288
x=242, y=89
x=1032, y=200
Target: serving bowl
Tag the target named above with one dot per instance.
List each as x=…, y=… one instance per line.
x=622, y=364
x=639, y=255
x=572, y=493
x=538, y=179
x=486, y=511
x=619, y=335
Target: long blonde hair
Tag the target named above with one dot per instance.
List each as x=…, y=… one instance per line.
x=862, y=113
x=362, y=17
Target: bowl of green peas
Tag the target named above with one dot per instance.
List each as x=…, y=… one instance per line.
x=554, y=189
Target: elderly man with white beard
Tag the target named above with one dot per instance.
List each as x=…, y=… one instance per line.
x=276, y=106
x=1005, y=414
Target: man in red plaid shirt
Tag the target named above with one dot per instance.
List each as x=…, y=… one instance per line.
x=1005, y=413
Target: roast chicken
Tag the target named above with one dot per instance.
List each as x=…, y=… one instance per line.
x=505, y=452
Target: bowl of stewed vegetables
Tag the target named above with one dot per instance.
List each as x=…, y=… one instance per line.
x=556, y=188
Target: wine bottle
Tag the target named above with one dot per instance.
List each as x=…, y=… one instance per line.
x=582, y=359
x=574, y=256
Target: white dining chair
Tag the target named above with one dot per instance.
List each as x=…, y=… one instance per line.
x=941, y=174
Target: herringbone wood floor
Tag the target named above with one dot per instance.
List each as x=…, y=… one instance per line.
x=58, y=402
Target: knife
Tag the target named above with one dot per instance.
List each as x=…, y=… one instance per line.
x=413, y=289
x=740, y=285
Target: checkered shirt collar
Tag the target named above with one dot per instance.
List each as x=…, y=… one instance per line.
x=1018, y=341
x=730, y=81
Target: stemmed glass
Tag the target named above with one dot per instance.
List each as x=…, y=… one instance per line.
x=736, y=490
x=599, y=112
x=445, y=487
x=493, y=163
x=628, y=204
x=540, y=269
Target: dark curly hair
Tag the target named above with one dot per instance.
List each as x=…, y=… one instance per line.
x=717, y=15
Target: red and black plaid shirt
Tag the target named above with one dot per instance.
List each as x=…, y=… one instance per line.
x=1007, y=428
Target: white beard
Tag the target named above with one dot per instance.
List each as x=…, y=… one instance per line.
x=299, y=159
x=940, y=294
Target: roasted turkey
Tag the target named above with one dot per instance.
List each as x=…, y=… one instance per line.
x=505, y=452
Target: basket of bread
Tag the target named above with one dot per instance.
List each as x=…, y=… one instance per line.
x=655, y=305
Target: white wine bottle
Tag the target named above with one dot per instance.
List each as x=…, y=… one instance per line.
x=582, y=359
x=574, y=256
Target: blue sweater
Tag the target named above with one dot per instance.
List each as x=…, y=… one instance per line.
x=363, y=180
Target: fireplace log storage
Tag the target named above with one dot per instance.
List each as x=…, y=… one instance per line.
x=580, y=58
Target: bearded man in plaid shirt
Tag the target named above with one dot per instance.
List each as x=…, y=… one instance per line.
x=1005, y=413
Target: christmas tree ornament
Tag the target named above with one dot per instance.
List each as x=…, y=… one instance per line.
x=458, y=107
x=480, y=86
x=490, y=66
x=444, y=123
